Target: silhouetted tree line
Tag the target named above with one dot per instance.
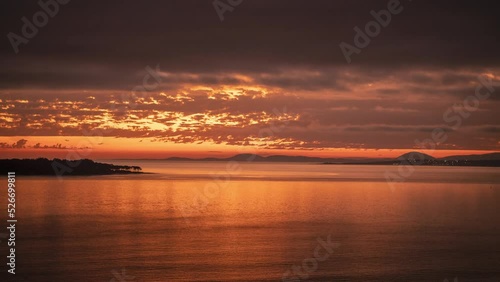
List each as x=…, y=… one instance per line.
x=42, y=166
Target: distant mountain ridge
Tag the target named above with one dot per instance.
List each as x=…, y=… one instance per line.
x=410, y=156
x=483, y=157
x=275, y=158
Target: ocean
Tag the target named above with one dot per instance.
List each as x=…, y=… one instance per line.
x=220, y=221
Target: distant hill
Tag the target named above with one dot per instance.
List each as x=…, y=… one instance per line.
x=417, y=158
x=44, y=166
x=411, y=156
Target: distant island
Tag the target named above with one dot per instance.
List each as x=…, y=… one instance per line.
x=414, y=158
x=44, y=166
x=417, y=158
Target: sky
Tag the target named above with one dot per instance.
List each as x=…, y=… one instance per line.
x=155, y=79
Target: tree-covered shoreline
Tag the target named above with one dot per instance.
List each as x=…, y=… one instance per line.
x=43, y=166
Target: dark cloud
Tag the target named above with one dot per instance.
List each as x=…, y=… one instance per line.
x=186, y=35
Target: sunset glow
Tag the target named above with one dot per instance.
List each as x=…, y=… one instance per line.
x=336, y=112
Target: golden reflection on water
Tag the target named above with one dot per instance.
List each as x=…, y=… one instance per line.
x=256, y=230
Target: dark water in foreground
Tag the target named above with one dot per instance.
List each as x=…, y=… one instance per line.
x=258, y=223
